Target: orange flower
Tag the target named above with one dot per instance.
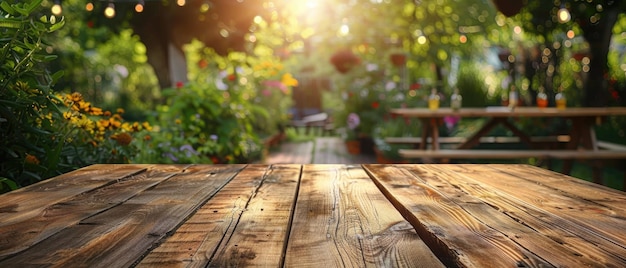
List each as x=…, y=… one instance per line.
x=123, y=138
x=120, y=110
x=31, y=159
x=147, y=138
x=95, y=111
x=76, y=97
x=107, y=113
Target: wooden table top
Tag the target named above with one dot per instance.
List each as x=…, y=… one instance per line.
x=498, y=111
x=413, y=215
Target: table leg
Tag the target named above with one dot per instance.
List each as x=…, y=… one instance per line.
x=517, y=132
x=475, y=139
x=583, y=135
x=425, y=133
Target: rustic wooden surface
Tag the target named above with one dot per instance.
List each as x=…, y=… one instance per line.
x=292, y=215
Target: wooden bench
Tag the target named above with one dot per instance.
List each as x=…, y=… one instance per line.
x=320, y=120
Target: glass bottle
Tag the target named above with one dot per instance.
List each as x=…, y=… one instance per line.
x=560, y=100
x=433, y=100
x=456, y=100
x=513, y=98
x=542, y=99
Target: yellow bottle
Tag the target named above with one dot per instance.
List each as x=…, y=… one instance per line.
x=433, y=100
x=560, y=100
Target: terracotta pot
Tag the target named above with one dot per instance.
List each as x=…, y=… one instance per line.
x=509, y=7
x=353, y=146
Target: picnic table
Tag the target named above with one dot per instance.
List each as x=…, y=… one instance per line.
x=410, y=215
x=579, y=143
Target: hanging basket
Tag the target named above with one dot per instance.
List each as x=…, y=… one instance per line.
x=344, y=60
x=508, y=8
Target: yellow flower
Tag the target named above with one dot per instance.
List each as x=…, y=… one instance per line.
x=289, y=81
x=178, y=121
x=85, y=123
x=67, y=115
x=120, y=110
x=146, y=126
x=126, y=127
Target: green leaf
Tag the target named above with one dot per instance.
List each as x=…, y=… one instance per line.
x=11, y=184
x=6, y=7
x=33, y=4
x=56, y=76
x=57, y=26
x=10, y=23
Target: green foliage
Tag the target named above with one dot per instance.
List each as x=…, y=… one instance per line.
x=396, y=127
x=43, y=134
x=29, y=147
x=472, y=87
x=202, y=124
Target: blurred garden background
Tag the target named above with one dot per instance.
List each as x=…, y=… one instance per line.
x=210, y=81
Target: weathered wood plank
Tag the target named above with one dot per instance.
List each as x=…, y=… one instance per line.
x=553, y=239
x=118, y=236
x=261, y=232
x=197, y=240
x=342, y=220
x=451, y=231
x=59, y=214
x=27, y=202
x=593, y=216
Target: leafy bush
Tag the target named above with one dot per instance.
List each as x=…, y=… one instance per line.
x=202, y=124
x=43, y=134
x=28, y=108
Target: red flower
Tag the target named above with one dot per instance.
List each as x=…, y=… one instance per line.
x=231, y=77
x=615, y=94
x=375, y=105
x=179, y=84
x=416, y=86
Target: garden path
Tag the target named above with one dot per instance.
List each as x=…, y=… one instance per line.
x=322, y=150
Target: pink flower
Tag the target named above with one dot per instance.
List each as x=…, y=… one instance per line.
x=276, y=84
x=266, y=92
x=353, y=121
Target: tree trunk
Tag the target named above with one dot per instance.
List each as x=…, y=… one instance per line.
x=599, y=37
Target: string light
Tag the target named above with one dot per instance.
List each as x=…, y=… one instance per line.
x=563, y=15
x=89, y=6
x=139, y=6
x=56, y=8
x=109, y=11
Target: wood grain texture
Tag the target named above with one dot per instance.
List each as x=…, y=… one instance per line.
x=342, y=220
x=458, y=237
x=32, y=214
x=578, y=210
x=197, y=240
x=552, y=239
x=117, y=237
x=259, y=238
